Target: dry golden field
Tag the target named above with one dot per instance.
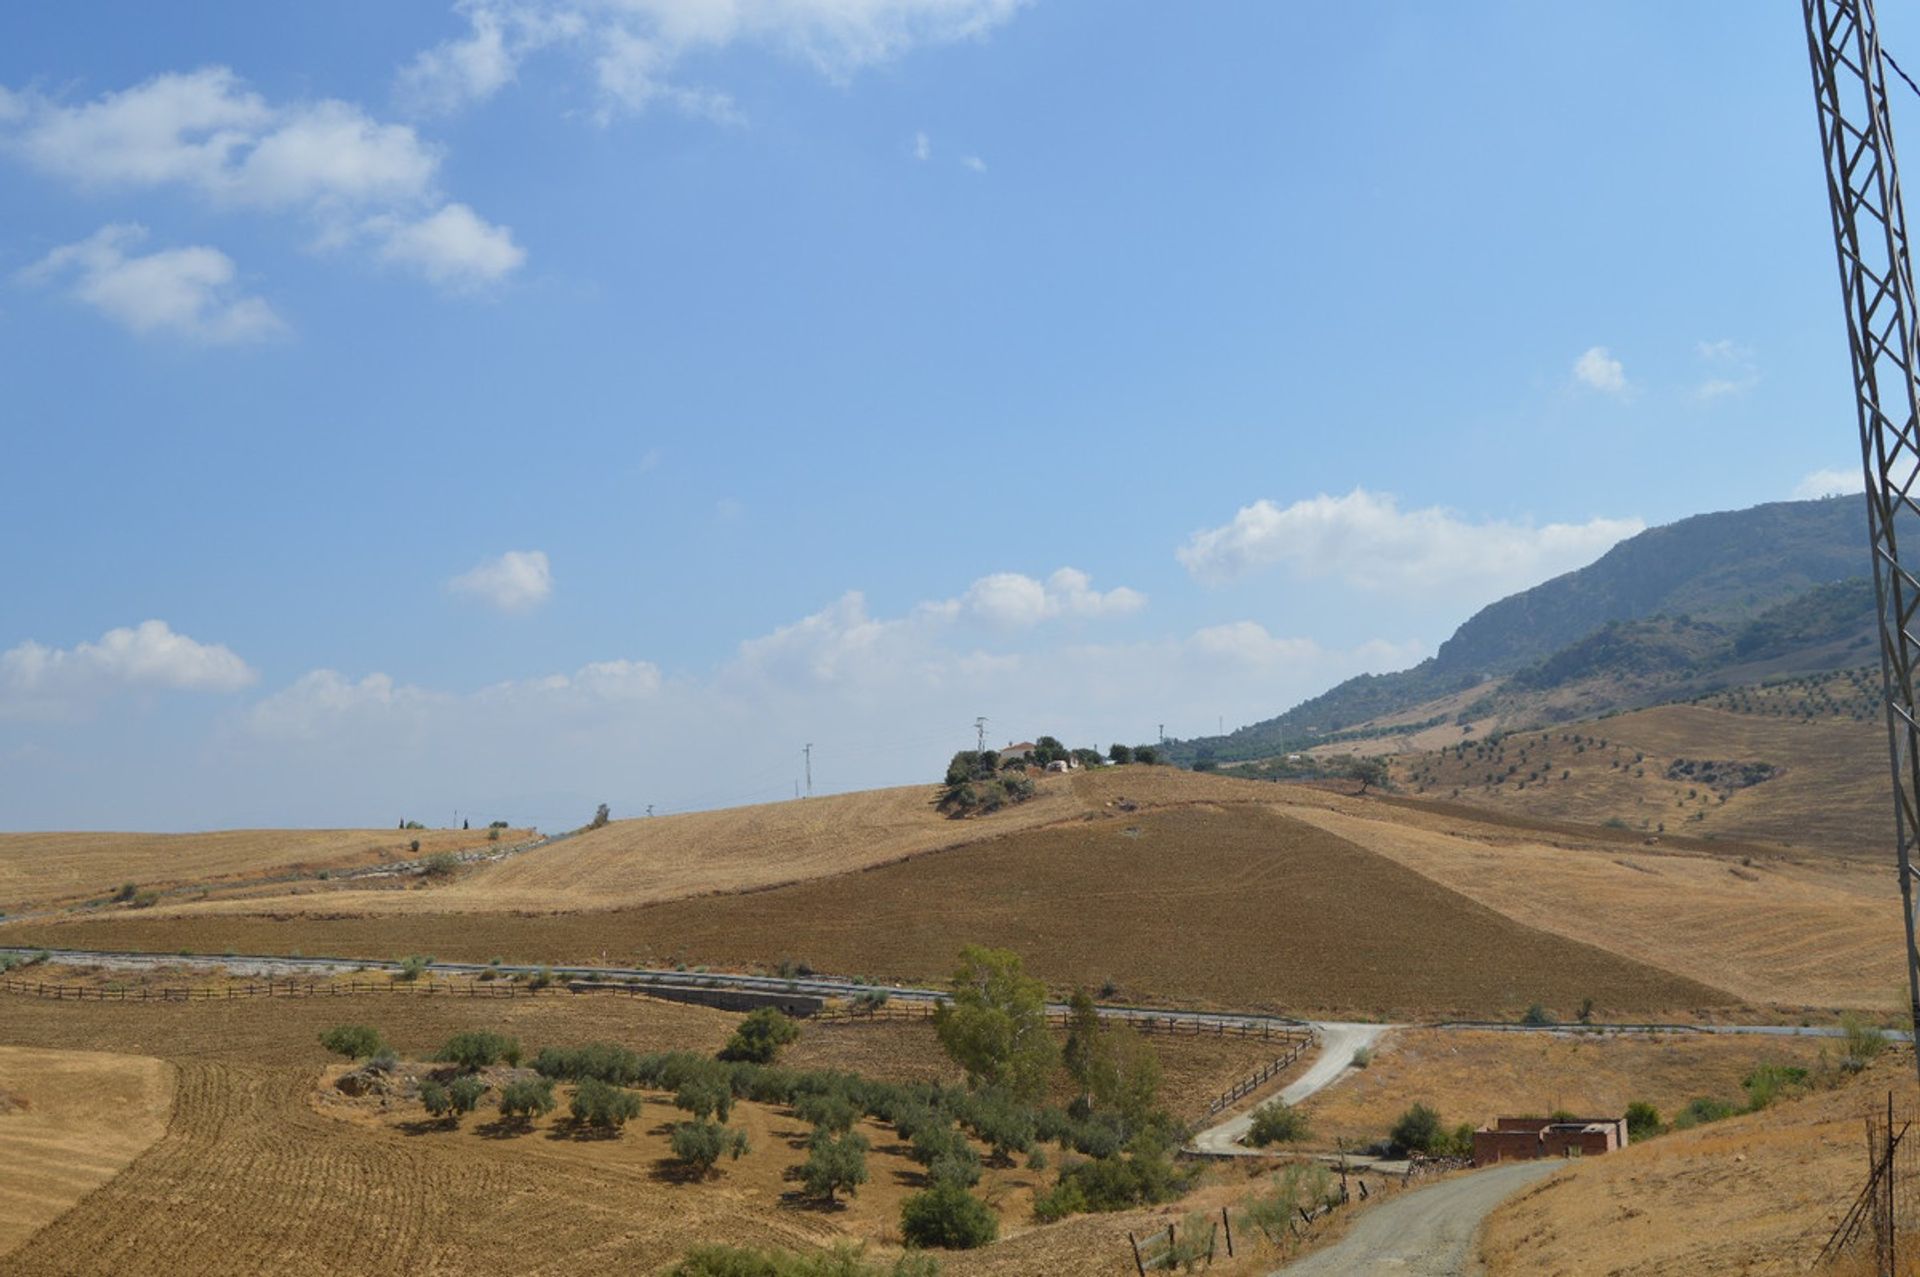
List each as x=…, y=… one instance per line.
x=1775, y=932
x=1831, y=795
x=69, y=1122
x=1753, y=1194
x=43, y=869
x=1474, y=1077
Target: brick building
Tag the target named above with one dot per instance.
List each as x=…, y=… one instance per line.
x=1526, y=1139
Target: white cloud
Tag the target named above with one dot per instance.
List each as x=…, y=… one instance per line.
x=454, y=247
x=1013, y=601
x=40, y=680
x=180, y=292
x=922, y=147
x=1366, y=541
x=637, y=47
x=1599, y=370
x=974, y=162
x=516, y=581
x=204, y=131
x=1734, y=370
x=1828, y=482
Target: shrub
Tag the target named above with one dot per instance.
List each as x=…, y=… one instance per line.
x=127, y=892
x=480, y=1048
x=1277, y=1122
x=701, y=1144
x=526, y=1098
x=1860, y=1042
x=1362, y=1057
x=1418, y=1131
x=760, y=1036
x=1768, y=1082
x=600, y=816
x=1643, y=1120
x=441, y=864
x=465, y=1092
x=1302, y=1184
x=493, y=834
x=1145, y=1176
x=947, y=1217
x=1701, y=1110
x=144, y=900
x=835, y=1163
x=413, y=966
x=541, y=978
x=1538, y=1017
x=355, y=1041
x=414, y=845
x=595, y=1103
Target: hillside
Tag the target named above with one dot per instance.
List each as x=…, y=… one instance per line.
x=1709, y=576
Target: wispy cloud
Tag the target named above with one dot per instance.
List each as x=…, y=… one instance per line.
x=922, y=147
x=517, y=581
x=1731, y=369
x=41, y=681
x=187, y=293
x=974, y=162
x=1832, y=481
x=1597, y=369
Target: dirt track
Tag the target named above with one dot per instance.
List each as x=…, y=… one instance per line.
x=1427, y=1233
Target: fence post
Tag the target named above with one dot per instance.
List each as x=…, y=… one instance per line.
x=1213, y=1232
x=1138, y=1267
x=1226, y=1221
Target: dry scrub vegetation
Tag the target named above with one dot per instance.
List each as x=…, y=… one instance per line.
x=1753, y=1194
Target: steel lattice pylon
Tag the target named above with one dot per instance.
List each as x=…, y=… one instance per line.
x=1876, y=281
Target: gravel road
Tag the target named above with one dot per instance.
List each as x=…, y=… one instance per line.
x=1429, y=1232
x=1338, y=1042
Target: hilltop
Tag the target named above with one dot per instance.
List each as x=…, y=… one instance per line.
x=1715, y=599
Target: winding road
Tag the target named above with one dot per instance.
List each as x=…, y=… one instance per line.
x=1338, y=1042
x=1428, y=1232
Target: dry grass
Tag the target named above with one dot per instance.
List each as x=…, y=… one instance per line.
x=1755, y=1194
x=1198, y=904
x=1474, y=1077
x=37, y=870
x=1831, y=797
x=1818, y=934
x=69, y=1122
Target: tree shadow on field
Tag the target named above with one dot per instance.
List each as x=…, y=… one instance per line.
x=671, y=1170
x=586, y=1132
x=800, y=1199
x=427, y=1126
x=504, y=1128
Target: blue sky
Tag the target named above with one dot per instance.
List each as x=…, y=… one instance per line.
x=505, y=407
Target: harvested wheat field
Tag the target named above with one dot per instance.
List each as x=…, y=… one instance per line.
x=1773, y=932
x=1826, y=793
x=1751, y=1194
x=1239, y=907
x=260, y=1167
x=1475, y=1077
x=37, y=870
x=69, y=1122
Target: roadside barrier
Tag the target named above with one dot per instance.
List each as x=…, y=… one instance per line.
x=1247, y=1086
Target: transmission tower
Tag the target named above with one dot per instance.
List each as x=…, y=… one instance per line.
x=1876, y=283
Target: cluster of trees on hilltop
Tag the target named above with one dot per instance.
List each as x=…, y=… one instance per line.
x=984, y=780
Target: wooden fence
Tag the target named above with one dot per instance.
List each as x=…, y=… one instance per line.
x=289, y=989
x=1261, y=1076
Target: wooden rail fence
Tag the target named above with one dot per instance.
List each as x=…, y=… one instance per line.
x=1261, y=1076
x=291, y=989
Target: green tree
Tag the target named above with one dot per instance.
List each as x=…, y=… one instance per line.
x=835, y=1163
x=760, y=1036
x=523, y=1100
x=995, y=1025
x=826, y=1110
x=948, y=1217
x=479, y=1049
x=1643, y=1120
x=355, y=1041
x=700, y=1144
x=597, y=1104
x=1370, y=772
x=1120, y=753
x=1082, y=1051
x=705, y=1095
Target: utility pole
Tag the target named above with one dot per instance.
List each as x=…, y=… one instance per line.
x=980, y=734
x=808, y=751
x=1876, y=284
x=1163, y=733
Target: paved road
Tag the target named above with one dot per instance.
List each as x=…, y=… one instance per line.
x=1338, y=1042
x=1429, y=1232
